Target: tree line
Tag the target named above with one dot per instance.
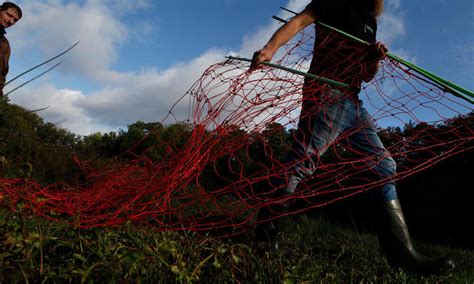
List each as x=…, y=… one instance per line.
x=435, y=200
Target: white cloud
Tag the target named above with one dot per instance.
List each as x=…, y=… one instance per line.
x=148, y=95
x=61, y=107
x=122, y=7
x=123, y=98
x=258, y=38
x=463, y=54
x=50, y=26
x=393, y=4
x=391, y=23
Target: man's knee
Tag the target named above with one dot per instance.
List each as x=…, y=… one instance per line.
x=387, y=167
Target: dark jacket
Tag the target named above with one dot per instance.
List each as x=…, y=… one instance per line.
x=4, y=58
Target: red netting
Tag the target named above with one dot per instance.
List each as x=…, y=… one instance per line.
x=232, y=158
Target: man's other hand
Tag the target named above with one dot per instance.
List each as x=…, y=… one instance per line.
x=377, y=51
x=260, y=56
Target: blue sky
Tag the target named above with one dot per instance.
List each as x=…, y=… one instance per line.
x=136, y=58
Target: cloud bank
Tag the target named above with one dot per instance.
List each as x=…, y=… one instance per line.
x=120, y=98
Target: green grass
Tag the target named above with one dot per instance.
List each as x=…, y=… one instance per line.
x=314, y=251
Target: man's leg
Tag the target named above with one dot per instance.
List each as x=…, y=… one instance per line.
x=317, y=130
x=366, y=143
x=392, y=229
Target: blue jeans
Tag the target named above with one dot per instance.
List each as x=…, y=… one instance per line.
x=337, y=114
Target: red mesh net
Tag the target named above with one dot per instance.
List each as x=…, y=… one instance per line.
x=232, y=159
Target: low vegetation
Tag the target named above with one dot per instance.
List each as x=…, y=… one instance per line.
x=314, y=249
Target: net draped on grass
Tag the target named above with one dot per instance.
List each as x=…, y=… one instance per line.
x=240, y=127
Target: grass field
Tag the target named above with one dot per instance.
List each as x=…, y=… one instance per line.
x=314, y=251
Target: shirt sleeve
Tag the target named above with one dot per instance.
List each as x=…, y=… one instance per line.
x=3, y=74
x=4, y=58
x=318, y=8
x=325, y=10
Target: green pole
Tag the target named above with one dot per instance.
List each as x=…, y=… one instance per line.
x=453, y=88
x=449, y=86
x=41, y=64
x=305, y=74
x=34, y=78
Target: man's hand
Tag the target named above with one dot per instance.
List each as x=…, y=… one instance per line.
x=262, y=55
x=377, y=51
x=282, y=36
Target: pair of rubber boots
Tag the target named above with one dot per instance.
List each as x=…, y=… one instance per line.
x=392, y=232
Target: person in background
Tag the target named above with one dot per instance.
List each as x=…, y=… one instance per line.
x=10, y=14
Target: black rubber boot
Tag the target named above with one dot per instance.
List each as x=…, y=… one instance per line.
x=267, y=232
x=269, y=223
x=398, y=247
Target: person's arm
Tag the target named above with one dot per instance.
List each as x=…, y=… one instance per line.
x=2, y=84
x=283, y=35
x=4, y=58
x=375, y=53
